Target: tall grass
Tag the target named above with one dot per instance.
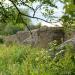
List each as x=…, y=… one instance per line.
x=24, y=60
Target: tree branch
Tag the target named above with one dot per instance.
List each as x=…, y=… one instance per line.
x=28, y=6
x=29, y=15
x=21, y=17
x=35, y=10
x=38, y=7
x=26, y=25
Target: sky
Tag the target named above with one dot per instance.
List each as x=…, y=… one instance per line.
x=58, y=12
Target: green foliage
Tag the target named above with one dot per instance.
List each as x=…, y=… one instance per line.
x=21, y=60
x=1, y=40
x=68, y=18
x=12, y=29
x=53, y=44
x=24, y=60
x=10, y=20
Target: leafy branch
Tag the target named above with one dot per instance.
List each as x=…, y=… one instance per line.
x=33, y=16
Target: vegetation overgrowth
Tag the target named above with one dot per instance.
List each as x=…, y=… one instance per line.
x=18, y=59
x=24, y=60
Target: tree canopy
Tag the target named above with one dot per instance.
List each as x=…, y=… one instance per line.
x=11, y=12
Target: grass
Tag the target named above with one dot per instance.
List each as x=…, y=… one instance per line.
x=24, y=60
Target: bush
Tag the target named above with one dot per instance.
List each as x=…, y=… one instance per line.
x=12, y=29
x=1, y=39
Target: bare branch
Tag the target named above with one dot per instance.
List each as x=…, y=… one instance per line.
x=21, y=17
x=35, y=18
x=39, y=6
x=35, y=10
x=29, y=15
x=28, y=6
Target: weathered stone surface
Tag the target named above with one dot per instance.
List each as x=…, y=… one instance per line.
x=40, y=37
x=61, y=51
x=70, y=41
x=22, y=35
x=11, y=38
x=48, y=34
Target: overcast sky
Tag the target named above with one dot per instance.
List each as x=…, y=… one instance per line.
x=58, y=12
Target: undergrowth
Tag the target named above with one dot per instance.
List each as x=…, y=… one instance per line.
x=24, y=60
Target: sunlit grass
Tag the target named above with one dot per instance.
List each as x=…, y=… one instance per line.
x=24, y=60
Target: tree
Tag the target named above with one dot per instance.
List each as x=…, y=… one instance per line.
x=44, y=5
x=13, y=12
x=68, y=18
x=10, y=19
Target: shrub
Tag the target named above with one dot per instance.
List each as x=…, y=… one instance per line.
x=1, y=39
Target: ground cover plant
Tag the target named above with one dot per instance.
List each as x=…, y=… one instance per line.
x=24, y=60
